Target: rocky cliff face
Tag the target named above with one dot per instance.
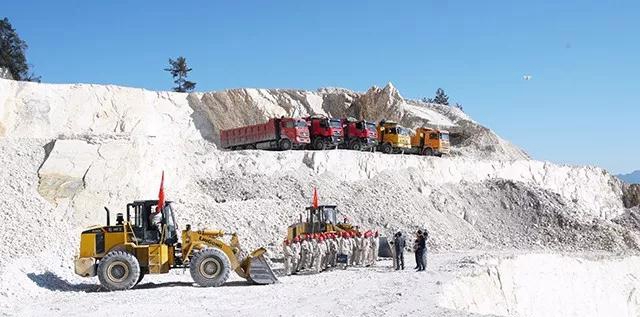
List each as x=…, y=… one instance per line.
x=631, y=197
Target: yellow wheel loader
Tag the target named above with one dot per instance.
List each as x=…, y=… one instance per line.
x=147, y=242
x=323, y=219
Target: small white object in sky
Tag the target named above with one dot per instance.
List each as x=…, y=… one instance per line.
x=526, y=77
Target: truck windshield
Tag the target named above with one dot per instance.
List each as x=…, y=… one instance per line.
x=403, y=131
x=444, y=136
x=335, y=123
x=371, y=126
x=301, y=124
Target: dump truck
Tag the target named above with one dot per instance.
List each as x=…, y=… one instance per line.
x=276, y=134
x=324, y=132
x=324, y=219
x=148, y=242
x=393, y=138
x=430, y=142
x=359, y=134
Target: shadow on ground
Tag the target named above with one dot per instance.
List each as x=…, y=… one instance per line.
x=53, y=282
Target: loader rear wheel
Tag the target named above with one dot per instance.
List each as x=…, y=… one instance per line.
x=118, y=270
x=209, y=268
x=140, y=278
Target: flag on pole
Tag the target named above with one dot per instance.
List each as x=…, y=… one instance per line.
x=161, y=195
x=315, y=198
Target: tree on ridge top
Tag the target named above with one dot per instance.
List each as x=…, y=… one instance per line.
x=12, y=53
x=180, y=71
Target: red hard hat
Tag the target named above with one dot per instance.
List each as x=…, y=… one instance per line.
x=286, y=240
x=296, y=239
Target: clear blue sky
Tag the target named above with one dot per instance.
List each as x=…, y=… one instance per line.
x=581, y=107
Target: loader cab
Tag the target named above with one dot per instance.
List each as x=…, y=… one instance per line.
x=319, y=218
x=138, y=214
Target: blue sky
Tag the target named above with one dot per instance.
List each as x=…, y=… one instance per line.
x=581, y=107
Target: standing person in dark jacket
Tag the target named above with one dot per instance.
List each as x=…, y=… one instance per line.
x=398, y=246
x=425, y=234
x=420, y=246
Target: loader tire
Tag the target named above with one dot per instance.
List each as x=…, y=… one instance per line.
x=118, y=270
x=210, y=268
x=427, y=152
x=140, y=278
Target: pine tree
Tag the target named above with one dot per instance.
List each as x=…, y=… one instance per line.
x=427, y=100
x=12, y=53
x=179, y=71
x=441, y=97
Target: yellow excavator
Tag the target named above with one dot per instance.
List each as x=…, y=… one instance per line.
x=121, y=254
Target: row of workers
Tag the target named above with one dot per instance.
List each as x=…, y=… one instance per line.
x=319, y=251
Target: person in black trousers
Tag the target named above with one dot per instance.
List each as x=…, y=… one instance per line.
x=399, y=244
x=420, y=247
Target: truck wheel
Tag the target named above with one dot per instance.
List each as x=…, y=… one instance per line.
x=387, y=148
x=285, y=144
x=209, y=268
x=118, y=270
x=356, y=146
x=427, y=152
x=318, y=144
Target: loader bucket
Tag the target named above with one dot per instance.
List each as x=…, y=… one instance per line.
x=256, y=269
x=384, y=249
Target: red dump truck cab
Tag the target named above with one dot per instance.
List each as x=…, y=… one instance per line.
x=324, y=132
x=359, y=135
x=275, y=134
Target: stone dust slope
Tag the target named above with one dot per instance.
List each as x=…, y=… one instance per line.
x=69, y=150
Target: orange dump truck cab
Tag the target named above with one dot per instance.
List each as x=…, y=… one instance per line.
x=430, y=142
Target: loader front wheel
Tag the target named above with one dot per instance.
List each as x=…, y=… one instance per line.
x=210, y=268
x=118, y=270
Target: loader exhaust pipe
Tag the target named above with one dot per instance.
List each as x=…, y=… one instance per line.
x=108, y=217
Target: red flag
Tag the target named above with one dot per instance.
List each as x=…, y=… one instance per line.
x=315, y=198
x=161, y=195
